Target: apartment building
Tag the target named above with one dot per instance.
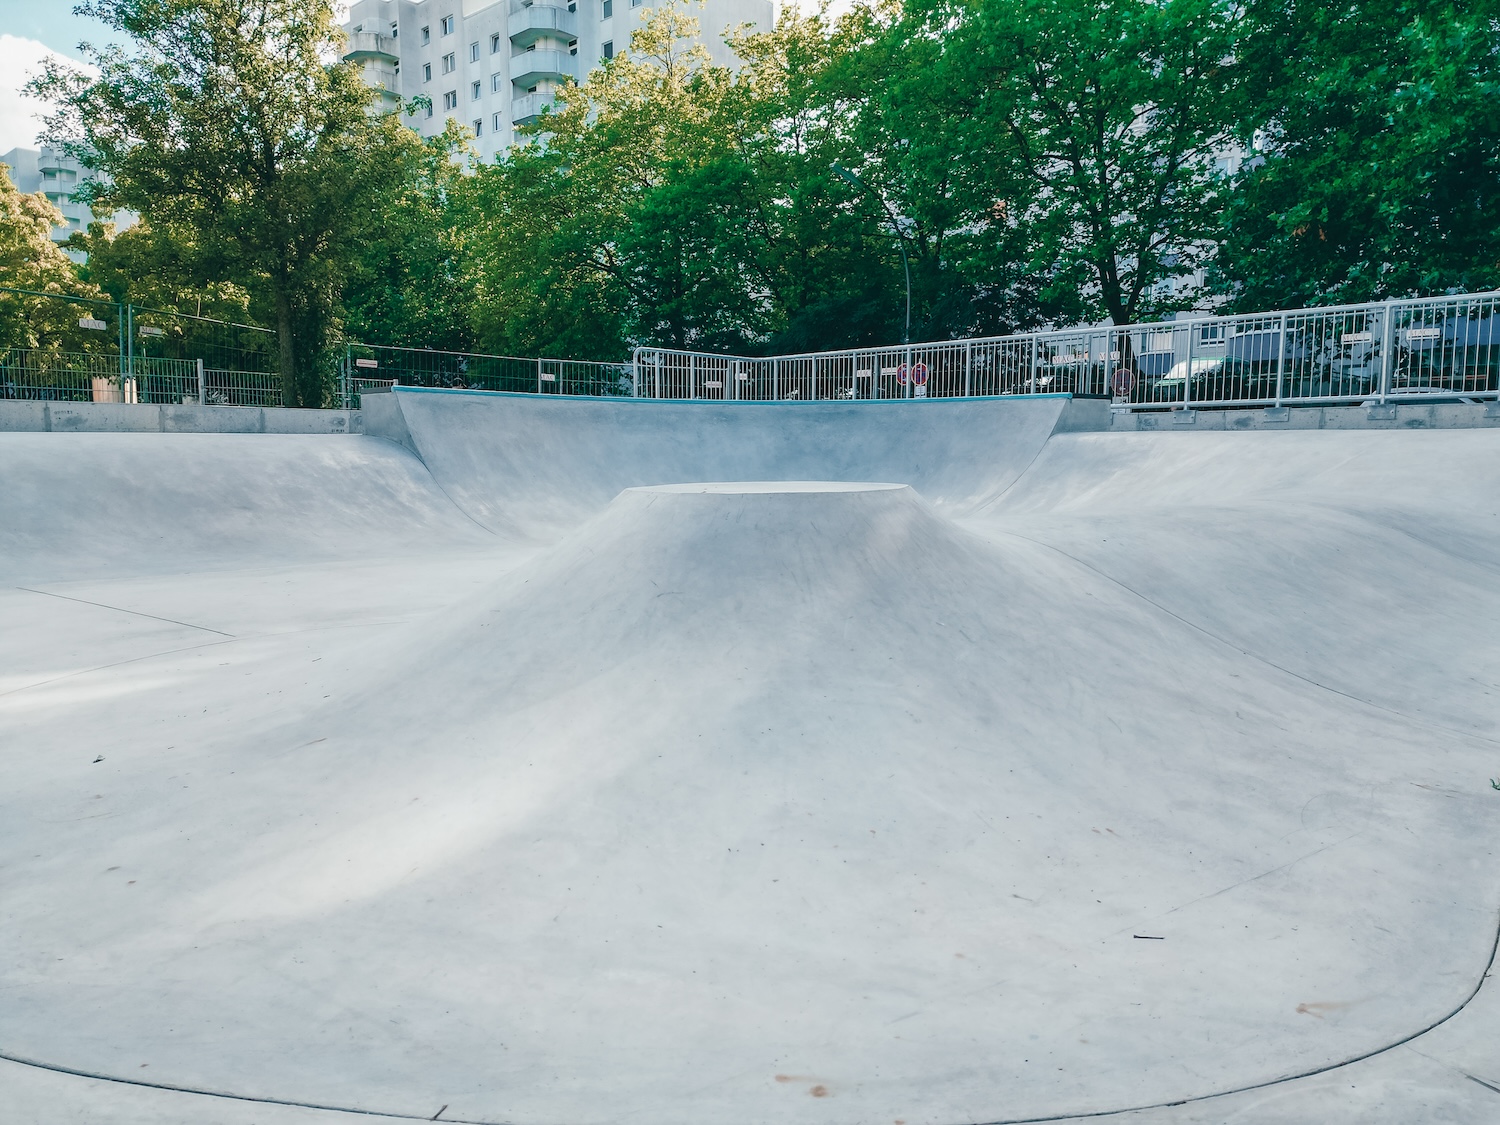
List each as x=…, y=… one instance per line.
x=494, y=64
x=56, y=176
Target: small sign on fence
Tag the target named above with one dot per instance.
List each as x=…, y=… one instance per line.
x=92, y=325
x=147, y=330
x=371, y=363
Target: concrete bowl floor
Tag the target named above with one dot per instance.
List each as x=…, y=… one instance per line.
x=574, y=763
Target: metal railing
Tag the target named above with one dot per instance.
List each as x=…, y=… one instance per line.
x=381, y=365
x=83, y=349
x=1426, y=349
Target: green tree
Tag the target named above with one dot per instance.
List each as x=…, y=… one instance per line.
x=234, y=138
x=1092, y=128
x=31, y=261
x=409, y=283
x=1377, y=172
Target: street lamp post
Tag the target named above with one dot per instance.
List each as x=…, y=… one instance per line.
x=845, y=174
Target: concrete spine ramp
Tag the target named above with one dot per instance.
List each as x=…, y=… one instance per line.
x=1057, y=774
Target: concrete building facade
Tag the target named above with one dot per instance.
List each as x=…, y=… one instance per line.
x=55, y=175
x=495, y=64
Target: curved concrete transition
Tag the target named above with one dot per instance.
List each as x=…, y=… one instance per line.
x=843, y=763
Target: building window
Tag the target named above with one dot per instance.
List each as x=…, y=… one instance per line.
x=573, y=47
x=426, y=35
x=450, y=100
x=495, y=81
x=395, y=31
x=475, y=87
x=635, y=3
x=495, y=123
x=479, y=127
x=450, y=63
x=608, y=50
x=429, y=109
x=426, y=72
x=447, y=22
x=473, y=52
x=609, y=9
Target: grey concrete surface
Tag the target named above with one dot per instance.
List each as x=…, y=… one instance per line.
x=1393, y=416
x=652, y=799
x=22, y=416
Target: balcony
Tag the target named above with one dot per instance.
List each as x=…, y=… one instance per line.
x=367, y=45
x=528, y=107
x=531, y=67
x=531, y=22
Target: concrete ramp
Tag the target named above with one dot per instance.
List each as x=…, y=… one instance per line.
x=809, y=765
x=86, y=505
x=533, y=466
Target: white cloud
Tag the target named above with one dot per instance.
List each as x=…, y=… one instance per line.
x=20, y=116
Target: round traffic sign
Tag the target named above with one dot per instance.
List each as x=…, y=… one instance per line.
x=901, y=374
x=919, y=374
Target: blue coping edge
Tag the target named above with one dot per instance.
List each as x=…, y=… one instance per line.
x=728, y=402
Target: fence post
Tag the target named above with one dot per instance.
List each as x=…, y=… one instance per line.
x=1280, y=359
x=1387, y=347
x=1187, y=378
x=347, y=378
x=123, y=331
x=538, y=374
x=775, y=380
x=969, y=369
x=692, y=376
x=202, y=389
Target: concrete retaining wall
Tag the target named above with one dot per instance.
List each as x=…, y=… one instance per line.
x=113, y=417
x=1420, y=416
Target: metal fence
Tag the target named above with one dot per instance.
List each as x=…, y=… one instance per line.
x=1434, y=349
x=80, y=349
x=377, y=365
x=1437, y=348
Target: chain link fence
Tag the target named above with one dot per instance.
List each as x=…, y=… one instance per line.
x=79, y=349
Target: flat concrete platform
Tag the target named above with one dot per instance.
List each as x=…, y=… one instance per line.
x=554, y=762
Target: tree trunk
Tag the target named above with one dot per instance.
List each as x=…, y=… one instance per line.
x=291, y=390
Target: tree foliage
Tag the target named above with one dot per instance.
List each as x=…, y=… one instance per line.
x=1040, y=162
x=1378, y=130
x=235, y=139
x=31, y=261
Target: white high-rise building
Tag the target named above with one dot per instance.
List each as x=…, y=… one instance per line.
x=55, y=175
x=493, y=64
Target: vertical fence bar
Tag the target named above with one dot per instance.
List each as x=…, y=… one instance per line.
x=1281, y=350
x=1187, y=375
x=1387, y=347
x=202, y=389
x=969, y=369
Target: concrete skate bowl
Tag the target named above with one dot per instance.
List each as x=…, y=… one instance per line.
x=561, y=762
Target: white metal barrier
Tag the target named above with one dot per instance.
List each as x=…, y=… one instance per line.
x=1427, y=349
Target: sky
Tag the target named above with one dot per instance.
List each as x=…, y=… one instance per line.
x=30, y=30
